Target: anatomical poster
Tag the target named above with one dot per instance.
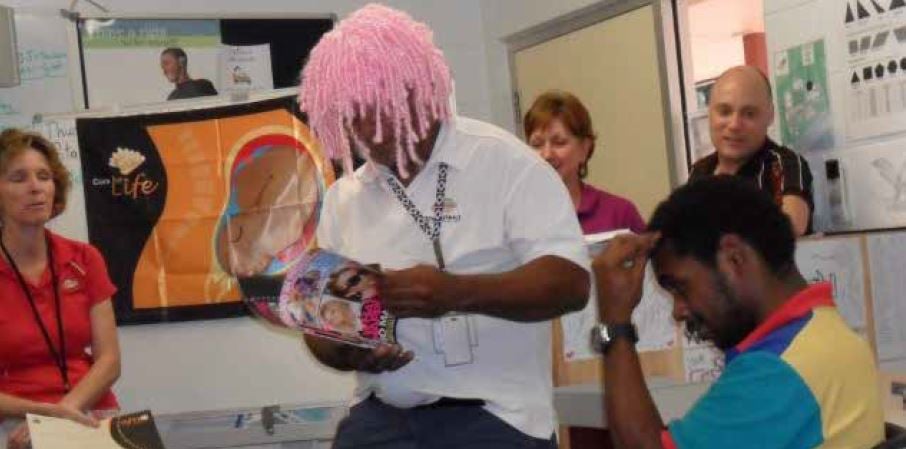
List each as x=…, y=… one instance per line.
x=192, y=210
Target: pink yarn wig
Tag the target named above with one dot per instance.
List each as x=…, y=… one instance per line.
x=373, y=61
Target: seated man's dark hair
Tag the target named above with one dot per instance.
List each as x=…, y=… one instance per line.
x=695, y=216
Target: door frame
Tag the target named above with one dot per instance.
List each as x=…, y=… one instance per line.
x=673, y=95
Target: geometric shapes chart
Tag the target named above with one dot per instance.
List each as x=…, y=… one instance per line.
x=900, y=33
x=880, y=39
x=861, y=11
x=877, y=6
x=865, y=43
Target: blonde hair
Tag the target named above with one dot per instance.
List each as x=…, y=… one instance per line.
x=14, y=142
x=379, y=62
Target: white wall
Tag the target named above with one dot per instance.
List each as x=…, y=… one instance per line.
x=221, y=364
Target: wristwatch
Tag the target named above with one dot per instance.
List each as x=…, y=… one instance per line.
x=602, y=335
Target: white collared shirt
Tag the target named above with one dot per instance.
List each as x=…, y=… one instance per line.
x=505, y=207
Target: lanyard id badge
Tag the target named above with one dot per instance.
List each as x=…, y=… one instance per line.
x=430, y=226
x=454, y=334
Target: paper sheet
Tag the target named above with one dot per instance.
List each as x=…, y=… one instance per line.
x=874, y=50
x=246, y=68
x=876, y=184
x=838, y=261
x=887, y=257
x=132, y=431
x=803, y=97
x=657, y=330
x=701, y=362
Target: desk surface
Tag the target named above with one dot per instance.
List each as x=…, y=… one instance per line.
x=583, y=405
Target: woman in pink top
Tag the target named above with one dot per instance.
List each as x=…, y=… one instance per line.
x=559, y=127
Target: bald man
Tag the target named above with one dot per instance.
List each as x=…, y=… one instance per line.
x=740, y=111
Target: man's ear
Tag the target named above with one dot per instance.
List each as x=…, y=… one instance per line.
x=735, y=258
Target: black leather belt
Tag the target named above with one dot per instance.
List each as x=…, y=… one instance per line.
x=443, y=402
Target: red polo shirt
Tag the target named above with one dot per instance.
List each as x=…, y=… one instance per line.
x=27, y=369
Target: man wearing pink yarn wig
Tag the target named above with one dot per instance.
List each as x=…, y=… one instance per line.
x=476, y=233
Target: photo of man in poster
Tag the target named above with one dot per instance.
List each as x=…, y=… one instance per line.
x=175, y=64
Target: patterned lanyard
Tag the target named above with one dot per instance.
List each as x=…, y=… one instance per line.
x=59, y=357
x=429, y=225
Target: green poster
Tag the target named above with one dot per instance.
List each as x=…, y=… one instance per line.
x=150, y=33
x=803, y=105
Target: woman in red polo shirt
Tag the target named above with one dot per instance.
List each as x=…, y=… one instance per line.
x=59, y=353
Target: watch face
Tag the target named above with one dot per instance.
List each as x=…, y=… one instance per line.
x=602, y=335
x=599, y=337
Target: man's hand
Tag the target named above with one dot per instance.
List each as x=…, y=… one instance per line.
x=384, y=357
x=799, y=212
x=619, y=275
x=379, y=359
x=422, y=291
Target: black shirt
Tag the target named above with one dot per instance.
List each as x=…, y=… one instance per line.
x=192, y=89
x=774, y=169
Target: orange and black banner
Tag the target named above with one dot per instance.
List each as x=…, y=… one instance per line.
x=194, y=209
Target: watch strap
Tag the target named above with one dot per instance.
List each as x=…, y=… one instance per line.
x=622, y=330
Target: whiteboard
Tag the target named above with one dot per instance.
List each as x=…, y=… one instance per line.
x=72, y=222
x=44, y=67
